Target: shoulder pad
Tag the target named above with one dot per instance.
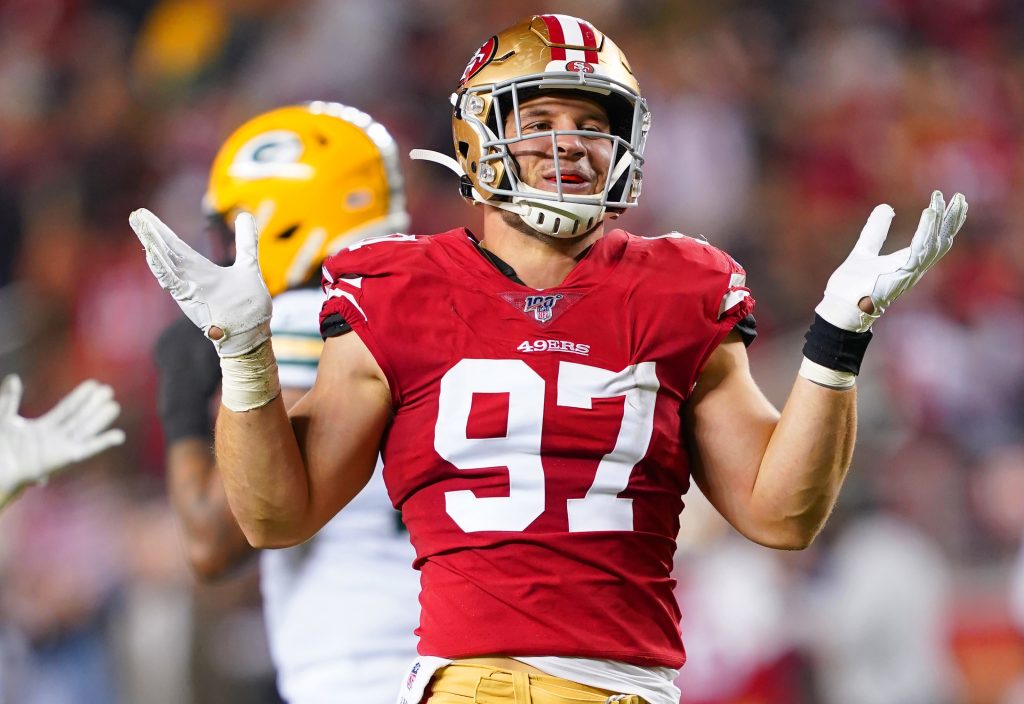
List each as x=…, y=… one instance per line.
x=372, y=256
x=696, y=250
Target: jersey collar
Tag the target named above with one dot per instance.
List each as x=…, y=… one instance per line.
x=595, y=263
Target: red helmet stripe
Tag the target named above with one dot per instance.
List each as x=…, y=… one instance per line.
x=589, y=41
x=555, y=36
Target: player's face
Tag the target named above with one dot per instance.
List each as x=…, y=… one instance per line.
x=582, y=161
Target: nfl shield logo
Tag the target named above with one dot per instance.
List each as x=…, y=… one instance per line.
x=542, y=306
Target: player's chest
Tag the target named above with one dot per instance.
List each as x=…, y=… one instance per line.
x=556, y=334
x=563, y=368
x=533, y=409
x=538, y=327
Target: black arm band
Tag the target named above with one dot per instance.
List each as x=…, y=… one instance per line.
x=747, y=328
x=834, y=347
x=334, y=326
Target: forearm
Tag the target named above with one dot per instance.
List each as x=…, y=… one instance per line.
x=214, y=544
x=264, y=475
x=776, y=477
x=804, y=464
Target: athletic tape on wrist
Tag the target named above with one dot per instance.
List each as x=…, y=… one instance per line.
x=823, y=376
x=250, y=380
x=835, y=348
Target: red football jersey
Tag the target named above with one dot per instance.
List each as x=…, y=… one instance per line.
x=536, y=451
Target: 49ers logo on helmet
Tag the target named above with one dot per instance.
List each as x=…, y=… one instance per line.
x=481, y=58
x=579, y=67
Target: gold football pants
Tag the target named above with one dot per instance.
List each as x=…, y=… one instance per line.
x=507, y=681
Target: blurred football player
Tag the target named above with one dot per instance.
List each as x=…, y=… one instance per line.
x=543, y=393
x=33, y=449
x=341, y=609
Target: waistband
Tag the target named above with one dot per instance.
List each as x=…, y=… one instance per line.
x=500, y=680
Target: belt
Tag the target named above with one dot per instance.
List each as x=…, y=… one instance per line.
x=501, y=663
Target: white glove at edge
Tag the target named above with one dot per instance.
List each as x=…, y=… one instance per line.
x=31, y=449
x=234, y=298
x=884, y=278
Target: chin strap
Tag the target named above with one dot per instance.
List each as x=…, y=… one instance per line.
x=555, y=218
x=450, y=163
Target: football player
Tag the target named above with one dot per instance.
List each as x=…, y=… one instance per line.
x=33, y=449
x=542, y=392
x=341, y=609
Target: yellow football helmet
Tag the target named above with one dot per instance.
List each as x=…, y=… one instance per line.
x=545, y=52
x=316, y=177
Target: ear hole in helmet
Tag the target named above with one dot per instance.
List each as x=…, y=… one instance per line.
x=464, y=149
x=288, y=232
x=620, y=116
x=619, y=189
x=359, y=199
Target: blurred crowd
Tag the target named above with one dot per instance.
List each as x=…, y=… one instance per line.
x=777, y=126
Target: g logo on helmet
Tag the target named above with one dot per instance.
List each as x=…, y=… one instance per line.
x=481, y=58
x=579, y=67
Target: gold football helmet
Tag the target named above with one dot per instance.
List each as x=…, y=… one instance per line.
x=316, y=177
x=545, y=52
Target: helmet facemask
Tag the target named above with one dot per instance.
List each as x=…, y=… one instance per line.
x=556, y=213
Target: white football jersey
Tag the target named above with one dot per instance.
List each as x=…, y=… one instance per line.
x=341, y=608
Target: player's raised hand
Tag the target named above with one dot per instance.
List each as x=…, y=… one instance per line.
x=31, y=449
x=883, y=278
x=231, y=305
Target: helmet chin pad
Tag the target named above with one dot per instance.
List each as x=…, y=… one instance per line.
x=555, y=218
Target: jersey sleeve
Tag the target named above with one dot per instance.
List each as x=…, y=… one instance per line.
x=715, y=276
x=737, y=304
x=360, y=284
x=726, y=299
x=712, y=294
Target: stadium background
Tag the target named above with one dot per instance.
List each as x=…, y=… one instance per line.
x=776, y=127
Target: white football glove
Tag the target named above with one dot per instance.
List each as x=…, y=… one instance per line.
x=31, y=449
x=884, y=278
x=234, y=298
